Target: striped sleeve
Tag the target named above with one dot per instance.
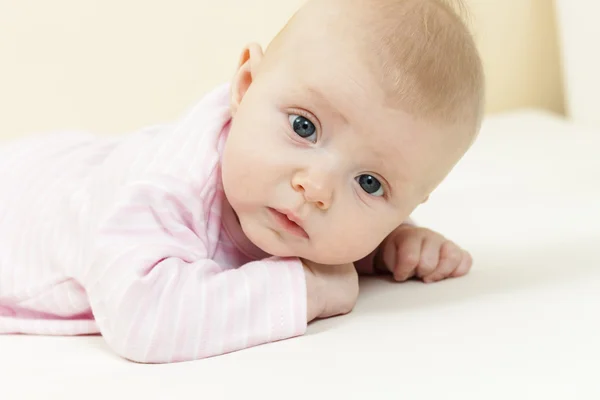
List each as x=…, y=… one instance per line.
x=156, y=294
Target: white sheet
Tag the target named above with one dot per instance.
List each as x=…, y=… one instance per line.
x=524, y=324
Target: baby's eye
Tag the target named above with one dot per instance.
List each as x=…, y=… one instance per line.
x=370, y=184
x=303, y=127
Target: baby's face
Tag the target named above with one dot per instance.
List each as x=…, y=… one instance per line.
x=316, y=166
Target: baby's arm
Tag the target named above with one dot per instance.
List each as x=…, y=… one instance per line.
x=158, y=297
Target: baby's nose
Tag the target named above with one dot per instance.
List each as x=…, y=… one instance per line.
x=316, y=187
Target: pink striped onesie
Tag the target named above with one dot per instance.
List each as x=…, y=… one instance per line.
x=131, y=237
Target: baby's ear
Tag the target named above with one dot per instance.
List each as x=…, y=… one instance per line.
x=246, y=69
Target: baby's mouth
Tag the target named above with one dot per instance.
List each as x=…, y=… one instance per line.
x=285, y=221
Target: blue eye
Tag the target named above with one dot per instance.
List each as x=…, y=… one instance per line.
x=303, y=127
x=370, y=184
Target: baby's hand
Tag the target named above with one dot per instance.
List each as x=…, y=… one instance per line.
x=331, y=289
x=419, y=252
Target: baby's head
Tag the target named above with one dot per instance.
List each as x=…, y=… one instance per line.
x=352, y=117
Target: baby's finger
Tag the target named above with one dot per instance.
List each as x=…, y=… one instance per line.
x=430, y=255
x=389, y=254
x=465, y=265
x=407, y=257
x=450, y=259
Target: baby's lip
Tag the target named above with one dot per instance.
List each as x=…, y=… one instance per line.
x=291, y=216
x=290, y=221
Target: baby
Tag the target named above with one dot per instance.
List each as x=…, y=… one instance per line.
x=249, y=216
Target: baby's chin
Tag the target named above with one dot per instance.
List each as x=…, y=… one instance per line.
x=279, y=248
x=272, y=243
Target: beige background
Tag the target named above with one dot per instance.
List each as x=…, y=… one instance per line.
x=114, y=65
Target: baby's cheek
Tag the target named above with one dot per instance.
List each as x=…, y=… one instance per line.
x=366, y=242
x=237, y=184
x=351, y=244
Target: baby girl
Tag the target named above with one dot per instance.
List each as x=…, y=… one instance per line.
x=250, y=215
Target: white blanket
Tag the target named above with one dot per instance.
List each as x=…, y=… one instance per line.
x=524, y=324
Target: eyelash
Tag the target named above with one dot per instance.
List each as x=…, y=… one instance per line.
x=309, y=117
x=384, y=185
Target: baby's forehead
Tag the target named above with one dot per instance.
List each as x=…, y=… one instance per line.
x=354, y=102
x=384, y=133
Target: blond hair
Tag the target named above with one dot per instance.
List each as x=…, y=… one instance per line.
x=426, y=58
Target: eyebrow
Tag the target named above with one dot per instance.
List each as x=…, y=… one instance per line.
x=327, y=102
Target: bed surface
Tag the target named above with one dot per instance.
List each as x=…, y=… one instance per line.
x=525, y=323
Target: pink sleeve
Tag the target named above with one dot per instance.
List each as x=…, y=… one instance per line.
x=158, y=297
